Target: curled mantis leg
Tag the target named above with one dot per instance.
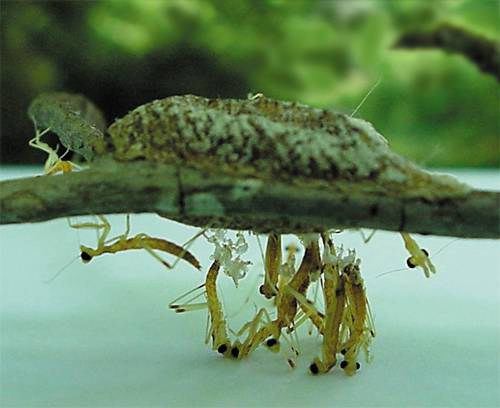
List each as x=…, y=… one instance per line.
x=218, y=331
x=334, y=293
x=358, y=319
x=272, y=265
x=286, y=302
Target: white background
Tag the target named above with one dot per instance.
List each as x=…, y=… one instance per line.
x=101, y=335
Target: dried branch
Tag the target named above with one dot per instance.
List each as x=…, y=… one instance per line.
x=217, y=200
x=481, y=51
x=210, y=195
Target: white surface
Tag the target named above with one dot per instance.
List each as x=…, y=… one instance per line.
x=101, y=334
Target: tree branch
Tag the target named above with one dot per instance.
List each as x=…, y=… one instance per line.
x=213, y=197
x=481, y=51
x=193, y=197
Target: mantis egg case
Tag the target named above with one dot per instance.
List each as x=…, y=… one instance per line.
x=269, y=139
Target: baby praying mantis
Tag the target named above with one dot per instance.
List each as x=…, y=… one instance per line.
x=124, y=243
x=256, y=330
x=286, y=303
x=357, y=318
x=218, y=331
x=53, y=164
x=347, y=314
x=217, y=326
x=418, y=257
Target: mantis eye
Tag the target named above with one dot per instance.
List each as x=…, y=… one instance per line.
x=314, y=368
x=271, y=342
x=263, y=291
x=410, y=263
x=235, y=352
x=345, y=363
x=222, y=348
x=425, y=252
x=85, y=257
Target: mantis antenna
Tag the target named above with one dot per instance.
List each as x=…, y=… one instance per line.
x=366, y=96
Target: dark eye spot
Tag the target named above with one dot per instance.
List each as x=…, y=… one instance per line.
x=410, y=263
x=314, y=368
x=222, y=348
x=271, y=342
x=343, y=364
x=358, y=366
x=235, y=352
x=85, y=257
x=425, y=252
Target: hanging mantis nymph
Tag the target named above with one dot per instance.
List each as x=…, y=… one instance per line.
x=260, y=141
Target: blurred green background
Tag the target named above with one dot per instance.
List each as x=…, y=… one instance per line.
x=435, y=108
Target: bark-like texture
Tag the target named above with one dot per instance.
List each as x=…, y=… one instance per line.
x=217, y=200
x=481, y=51
x=224, y=196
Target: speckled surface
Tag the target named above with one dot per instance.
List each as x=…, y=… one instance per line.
x=268, y=139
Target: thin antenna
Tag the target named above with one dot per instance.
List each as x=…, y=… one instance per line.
x=50, y=280
x=392, y=271
x=432, y=257
x=184, y=295
x=188, y=244
x=260, y=249
x=366, y=96
x=444, y=247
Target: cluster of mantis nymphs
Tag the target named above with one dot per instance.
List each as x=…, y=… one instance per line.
x=342, y=317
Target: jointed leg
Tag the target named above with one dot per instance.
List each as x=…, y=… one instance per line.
x=367, y=238
x=53, y=164
x=272, y=265
x=309, y=310
x=146, y=247
x=286, y=302
x=104, y=225
x=334, y=294
x=357, y=318
x=139, y=241
x=220, y=339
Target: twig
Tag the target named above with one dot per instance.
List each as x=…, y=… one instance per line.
x=217, y=200
x=481, y=51
x=211, y=196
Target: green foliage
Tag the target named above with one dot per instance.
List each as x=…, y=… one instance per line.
x=433, y=107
